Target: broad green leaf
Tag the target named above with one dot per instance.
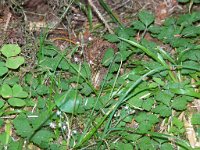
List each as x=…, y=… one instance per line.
x=86, y=70
x=86, y=90
x=179, y=124
x=123, y=33
x=69, y=102
x=41, y=102
x=179, y=103
x=6, y=91
x=49, y=51
x=64, y=65
x=146, y=17
x=108, y=57
x=145, y=143
x=22, y=126
x=166, y=146
x=16, y=145
x=11, y=80
x=51, y=63
x=31, y=80
x=196, y=119
x=148, y=118
x=192, y=54
x=1, y=103
x=10, y=50
x=136, y=101
x=189, y=63
x=147, y=104
x=43, y=138
x=159, y=81
x=14, y=62
x=164, y=97
x=138, y=25
x=18, y=91
x=111, y=37
x=2, y=139
x=42, y=90
x=16, y=102
x=123, y=146
x=41, y=119
x=163, y=110
x=3, y=70
x=191, y=31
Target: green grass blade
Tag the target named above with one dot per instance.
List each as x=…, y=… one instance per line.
x=157, y=57
x=112, y=15
x=90, y=16
x=114, y=107
x=166, y=55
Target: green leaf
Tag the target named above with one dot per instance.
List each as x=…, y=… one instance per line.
x=146, y=17
x=179, y=103
x=196, y=1
x=138, y=25
x=42, y=90
x=191, y=31
x=147, y=104
x=148, y=118
x=111, y=37
x=86, y=70
x=159, y=81
x=10, y=50
x=166, y=146
x=183, y=1
x=164, y=97
x=3, y=69
x=89, y=103
x=136, y=101
x=145, y=143
x=123, y=33
x=18, y=91
x=86, y=89
x=47, y=62
x=16, y=145
x=123, y=146
x=43, y=119
x=189, y=63
x=43, y=138
x=1, y=103
x=163, y=110
x=64, y=65
x=14, y=62
x=6, y=91
x=16, y=102
x=108, y=57
x=22, y=126
x=196, y=119
x=69, y=102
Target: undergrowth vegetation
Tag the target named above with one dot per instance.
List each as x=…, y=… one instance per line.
x=140, y=104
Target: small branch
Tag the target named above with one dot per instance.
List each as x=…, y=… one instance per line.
x=100, y=16
x=7, y=21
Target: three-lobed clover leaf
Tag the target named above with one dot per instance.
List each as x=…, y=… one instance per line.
x=14, y=95
x=3, y=69
x=10, y=50
x=14, y=62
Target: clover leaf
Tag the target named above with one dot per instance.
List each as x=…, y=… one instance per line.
x=10, y=50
